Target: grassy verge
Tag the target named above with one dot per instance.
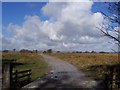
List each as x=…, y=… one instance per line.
x=93, y=64
x=31, y=61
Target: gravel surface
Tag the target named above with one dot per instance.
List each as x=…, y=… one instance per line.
x=75, y=76
x=68, y=77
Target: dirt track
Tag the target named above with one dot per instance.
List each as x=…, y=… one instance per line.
x=71, y=77
x=76, y=77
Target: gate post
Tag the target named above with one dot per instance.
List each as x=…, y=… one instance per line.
x=7, y=76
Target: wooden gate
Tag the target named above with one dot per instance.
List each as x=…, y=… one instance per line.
x=113, y=78
x=14, y=79
x=21, y=78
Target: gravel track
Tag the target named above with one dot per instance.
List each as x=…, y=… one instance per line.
x=71, y=77
x=76, y=77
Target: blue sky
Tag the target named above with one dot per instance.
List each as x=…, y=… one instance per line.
x=14, y=12
x=0, y=25
x=47, y=15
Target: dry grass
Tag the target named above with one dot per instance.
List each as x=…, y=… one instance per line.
x=31, y=61
x=93, y=64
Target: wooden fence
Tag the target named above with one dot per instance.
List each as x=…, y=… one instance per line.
x=113, y=78
x=20, y=78
x=14, y=79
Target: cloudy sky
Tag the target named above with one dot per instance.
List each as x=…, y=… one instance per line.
x=60, y=26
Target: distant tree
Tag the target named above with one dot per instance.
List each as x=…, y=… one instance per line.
x=14, y=50
x=102, y=52
x=44, y=52
x=93, y=52
x=77, y=51
x=58, y=51
x=86, y=51
x=5, y=51
x=36, y=51
x=25, y=51
x=49, y=50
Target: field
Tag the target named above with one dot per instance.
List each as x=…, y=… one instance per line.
x=31, y=61
x=95, y=65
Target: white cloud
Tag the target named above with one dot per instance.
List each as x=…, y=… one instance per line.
x=71, y=26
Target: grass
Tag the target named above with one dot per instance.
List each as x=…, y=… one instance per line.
x=93, y=64
x=31, y=61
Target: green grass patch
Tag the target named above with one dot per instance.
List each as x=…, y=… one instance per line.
x=31, y=61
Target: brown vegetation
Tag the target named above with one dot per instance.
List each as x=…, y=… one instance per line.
x=93, y=64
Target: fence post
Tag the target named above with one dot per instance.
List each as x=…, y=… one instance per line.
x=114, y=81
x=16, y=77
x=11, y=78
x=29, y=78
x=7, y=76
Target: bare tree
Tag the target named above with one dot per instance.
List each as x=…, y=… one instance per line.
x=113, y=20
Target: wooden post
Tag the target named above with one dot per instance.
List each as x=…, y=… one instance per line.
x=29, y=78
x=11, y=78
x=16, y=77
x=114, y=78
x=113, y=81
x=111, y=77
x=7, y=76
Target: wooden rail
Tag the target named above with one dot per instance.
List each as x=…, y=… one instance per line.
x=12, y=80
x=113, y=78
x=20, y=78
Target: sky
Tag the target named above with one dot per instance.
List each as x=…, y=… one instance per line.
x=62, y=26
x=0, y=26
